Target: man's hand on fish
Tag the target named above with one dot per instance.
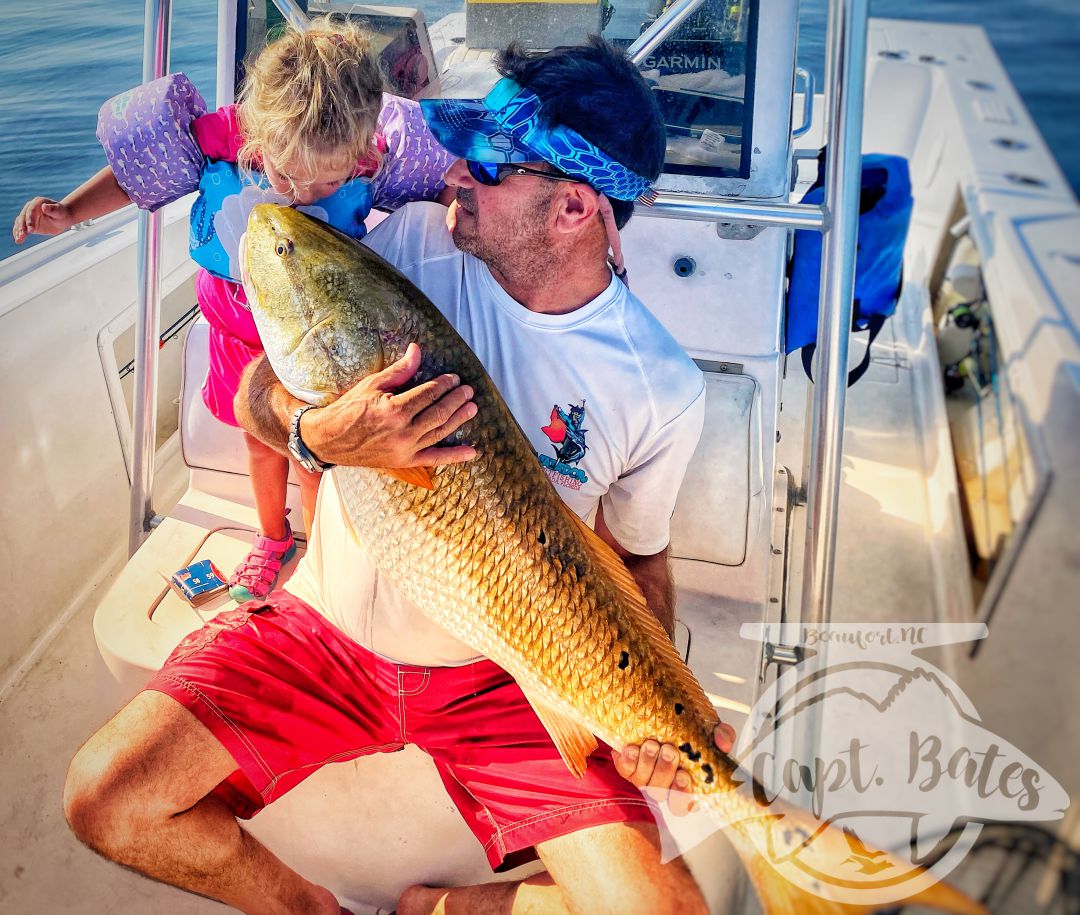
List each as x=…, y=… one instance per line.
x=655, y=767
x=372, y=426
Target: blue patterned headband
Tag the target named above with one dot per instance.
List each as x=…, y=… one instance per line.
x=506, y=126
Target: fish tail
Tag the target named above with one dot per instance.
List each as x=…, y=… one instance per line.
x=801, y=866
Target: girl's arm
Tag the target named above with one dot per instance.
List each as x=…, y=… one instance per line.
x=98, y=196
x=414, y=162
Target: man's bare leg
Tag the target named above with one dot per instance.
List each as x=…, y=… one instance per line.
x=138, y=794
x=535, y=895
x=613, y=868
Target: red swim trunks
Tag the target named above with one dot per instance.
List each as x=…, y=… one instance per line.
x=319, y=697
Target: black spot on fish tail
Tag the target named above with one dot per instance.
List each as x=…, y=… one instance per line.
x=678, y=708
x=624, y=661
x=691, y=753
x=709, y=777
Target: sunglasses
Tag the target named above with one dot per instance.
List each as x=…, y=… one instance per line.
x=492, y=174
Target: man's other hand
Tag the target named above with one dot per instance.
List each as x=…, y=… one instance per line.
x=655, y=767
x=372, y=426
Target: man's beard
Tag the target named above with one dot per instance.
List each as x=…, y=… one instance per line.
x=524, y=255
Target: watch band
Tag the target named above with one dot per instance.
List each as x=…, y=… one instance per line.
x=299, y=450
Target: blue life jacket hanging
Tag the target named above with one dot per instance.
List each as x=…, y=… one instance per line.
x=884, y=216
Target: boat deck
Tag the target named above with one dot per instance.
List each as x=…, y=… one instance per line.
x=44, y=720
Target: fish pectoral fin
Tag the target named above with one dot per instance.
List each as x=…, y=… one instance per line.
x=574, y=742
x=416, y=476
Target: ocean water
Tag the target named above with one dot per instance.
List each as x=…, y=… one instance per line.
x=60, y=60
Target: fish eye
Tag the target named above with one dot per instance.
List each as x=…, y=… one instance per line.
x=283, y=248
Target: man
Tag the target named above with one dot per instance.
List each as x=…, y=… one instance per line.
x=247, y=707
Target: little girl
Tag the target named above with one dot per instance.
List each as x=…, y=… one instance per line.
x=312, y=119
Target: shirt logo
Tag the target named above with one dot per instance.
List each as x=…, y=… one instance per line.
x=568, y=441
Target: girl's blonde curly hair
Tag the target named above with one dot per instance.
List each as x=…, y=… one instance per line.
x=311, y=95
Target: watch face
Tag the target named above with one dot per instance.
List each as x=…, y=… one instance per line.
x=303, y=460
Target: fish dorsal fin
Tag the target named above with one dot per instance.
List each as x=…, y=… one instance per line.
x=416, y=476
x=620, y=576
x=645, y=620
x=573, y=741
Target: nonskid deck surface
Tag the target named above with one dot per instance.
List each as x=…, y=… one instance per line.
x=43, y=868
x=44, y=720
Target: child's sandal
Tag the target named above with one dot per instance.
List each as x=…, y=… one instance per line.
x=254, y=578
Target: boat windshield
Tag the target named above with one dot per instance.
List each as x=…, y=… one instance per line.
x=701, y=73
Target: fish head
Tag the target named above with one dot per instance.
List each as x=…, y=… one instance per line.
x=323, y=304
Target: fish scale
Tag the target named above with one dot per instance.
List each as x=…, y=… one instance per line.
x=488, y=550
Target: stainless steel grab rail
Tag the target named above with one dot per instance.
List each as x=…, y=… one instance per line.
x=845, y=75
x=293, y=14
x=156, y=36
x=649, y=40
x=737, y=210
x=808, y=102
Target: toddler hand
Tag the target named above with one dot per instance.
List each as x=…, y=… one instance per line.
x=41, y=216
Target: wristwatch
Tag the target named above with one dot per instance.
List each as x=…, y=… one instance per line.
x=299, y=450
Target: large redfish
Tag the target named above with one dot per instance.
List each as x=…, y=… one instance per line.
x=489, y=551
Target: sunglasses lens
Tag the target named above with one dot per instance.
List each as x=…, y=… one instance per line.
x=484, y=172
